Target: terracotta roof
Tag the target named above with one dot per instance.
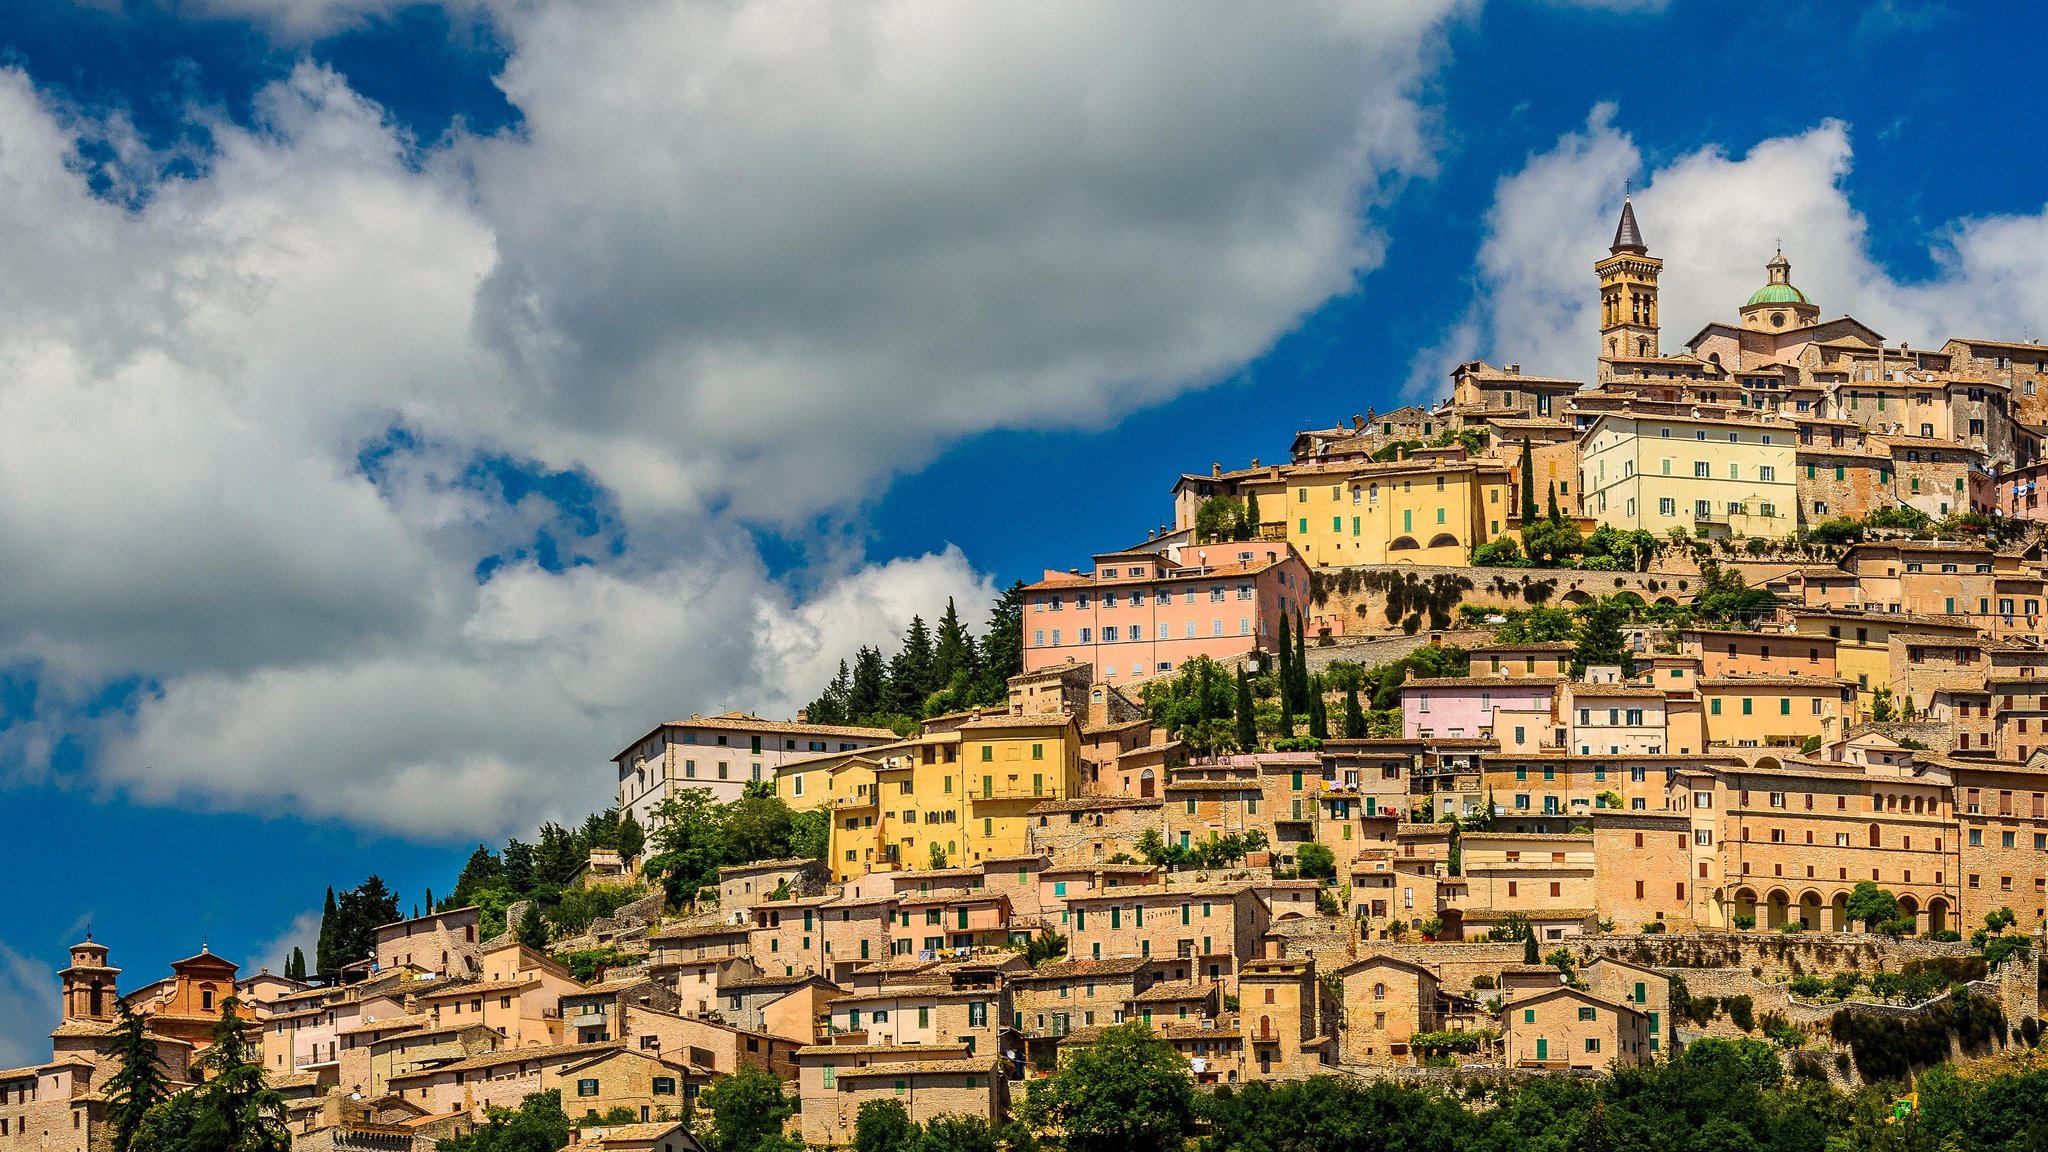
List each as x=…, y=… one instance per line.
x=870, y=1049
x=389, y=1024
x=504, y=1056
x=1169, y=991
x=770, y=865
x=1482, y=681
x=969, y=1064
x=1070, y=969
x=1771, y=682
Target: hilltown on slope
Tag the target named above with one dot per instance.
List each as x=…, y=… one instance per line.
x=1706, y=818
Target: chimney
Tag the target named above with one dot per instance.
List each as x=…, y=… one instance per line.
x=1513, y=370
x=1255, y=461
x=1357, y=423
x=1215, y=469
x=803, y=715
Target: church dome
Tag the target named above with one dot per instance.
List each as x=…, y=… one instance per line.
x=1777, y=294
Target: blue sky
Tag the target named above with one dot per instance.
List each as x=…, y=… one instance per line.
x=415, y=403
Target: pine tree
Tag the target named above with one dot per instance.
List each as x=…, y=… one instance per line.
x=830, y=706
x=237, y=1111
x=1247, y=714
x=1528, y=486
x=519, y=872
x=952, y=649
x=910, y=673
x=1318, y=711
x=139, y=1082
x=330, y=927
x=1002, y=647
x=869, y=695
x=558, y=855
x=1530, y=955
x=532, y=930
x=1354, y=716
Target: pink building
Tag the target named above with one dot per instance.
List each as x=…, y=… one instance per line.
x=1464, y=707
x=1141, y=613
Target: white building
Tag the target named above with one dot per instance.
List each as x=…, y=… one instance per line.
x=723, y=754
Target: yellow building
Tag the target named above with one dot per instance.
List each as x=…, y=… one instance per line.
x=1705, y=477
x=1432, y=508
x=1774, y=711
x=961, y=792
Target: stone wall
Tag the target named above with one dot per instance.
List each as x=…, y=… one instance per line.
x=1363, y=610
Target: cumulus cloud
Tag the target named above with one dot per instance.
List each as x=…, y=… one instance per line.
x=786, y=247
x=738, y=263
x=1715, y=219
x=303, y=932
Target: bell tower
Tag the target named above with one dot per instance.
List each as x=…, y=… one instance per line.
x=1628, y=291
x=89, y=983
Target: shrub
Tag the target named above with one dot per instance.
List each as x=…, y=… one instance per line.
x=1743, y=921
x=1807, y=987
x=1742, y=1011
x=1652, y=927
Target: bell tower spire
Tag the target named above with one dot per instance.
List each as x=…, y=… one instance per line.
x=89, y=983
x=1628, y=291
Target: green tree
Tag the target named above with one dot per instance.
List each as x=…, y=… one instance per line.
x=964, y=1134
x=1501, y=552
x=952, y=652
x=1531, y=954
x=910, y=673
x=537, y=1125
x=1872, y=906
x=1251, y=516
x=747, y=1109
x=1528, y=486
x=869, y=695
x=1002, y=646
x=533, y=930
x=139, y=1082
x=1315, y=861
x=559, y=855
x=1246, y=713
x=1219, y=518
x=632, y=838
x=1601, y=641
x=884, y=1125
x=1128, y=1091
x=1318, y=710
x=231, y=1110
x=1354, y=717
x=325, y=954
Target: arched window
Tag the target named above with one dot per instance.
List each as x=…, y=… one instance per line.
x=1379, y=991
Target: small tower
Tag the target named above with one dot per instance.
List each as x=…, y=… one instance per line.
x=1778, y=305
x=1628, y=291
x=89, y=983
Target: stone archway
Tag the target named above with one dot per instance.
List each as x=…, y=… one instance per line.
x=1909, y=908
x=1809, y=910
x=1838, y=913
x=1777, y=909
x=1742, y=903
x=1937, y=914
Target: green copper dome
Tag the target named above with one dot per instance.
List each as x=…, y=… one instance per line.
x=1778, y=294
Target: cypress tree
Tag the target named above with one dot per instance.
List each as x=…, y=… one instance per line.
x=869, y=695
x=138, y=1083
x=330, y=928
x=1300, y=663
x=1247, y=714
x=1354, y=716
x=1251, y=517
x=1552, y=514
x=1528, y=485
x=1318, y=710
x=1283, y=675
x=532, y=930
x=1529, y=953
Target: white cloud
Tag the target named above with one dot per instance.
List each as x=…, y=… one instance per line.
x=302, y=932
x=738, y=261
x=1715, y=219
x=29, y=994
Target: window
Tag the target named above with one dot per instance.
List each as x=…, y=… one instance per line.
x=1701, y=469
x=664, y=1085
x=586, y=1087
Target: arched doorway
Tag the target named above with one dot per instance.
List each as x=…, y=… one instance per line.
x=1937, y=914
x=1742, y=904
x=1838, y=913
x=1809, y=910
x=1776, y=909
x=1145, y=782
x=1909, y=908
